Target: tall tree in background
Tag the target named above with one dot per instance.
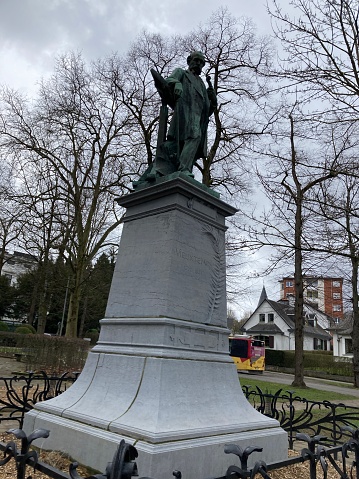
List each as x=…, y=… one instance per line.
x=11, y=211
x=138, y=94
x=337, y=211
x=74, y=133
x=321, y=39
x=238, y=62
x=92, y=128
x=299, y=162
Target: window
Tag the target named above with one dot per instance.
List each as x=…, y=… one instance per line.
x=348, y=346
x=262, y=318
x=319, y=344
x=337, y=307
x=270, y=317
x=336, y=284
x=312, y=294
x=312, y=283
x=289, y=284
x=336, y=295
x=268, y=341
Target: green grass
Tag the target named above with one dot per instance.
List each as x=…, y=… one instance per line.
x=308, y=393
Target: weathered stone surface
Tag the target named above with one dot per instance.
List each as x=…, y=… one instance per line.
x=174, y=260
x=160, y=375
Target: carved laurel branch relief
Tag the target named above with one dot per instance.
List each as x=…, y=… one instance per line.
x=219, y=271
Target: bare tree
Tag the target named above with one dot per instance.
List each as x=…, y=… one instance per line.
x=238, y=62
x=74, y=131
x=336, y=209
x=321, y=40
x=293, y=172
x=11, y=212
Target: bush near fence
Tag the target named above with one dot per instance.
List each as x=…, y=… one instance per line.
x=313, y=361
x=53, y=354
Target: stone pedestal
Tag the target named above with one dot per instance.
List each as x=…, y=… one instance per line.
x=160, y=375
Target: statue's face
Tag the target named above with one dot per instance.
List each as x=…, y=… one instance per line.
x=196, y=64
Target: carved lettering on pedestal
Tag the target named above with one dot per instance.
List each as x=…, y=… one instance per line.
x=191, y=257
x=197, y=339
x=183, y=337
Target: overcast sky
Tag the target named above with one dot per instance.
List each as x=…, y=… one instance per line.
x=34, y=32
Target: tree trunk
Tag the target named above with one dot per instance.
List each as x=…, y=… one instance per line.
x=83, y=318
x=41, y=322
x=74, y=305
x=355, y=333
x=298, y=305
x=72, y=316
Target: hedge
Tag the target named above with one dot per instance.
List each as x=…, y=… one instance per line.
x=54, y=354
x=313, y=360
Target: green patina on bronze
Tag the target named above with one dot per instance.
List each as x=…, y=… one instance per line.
x=186, y=139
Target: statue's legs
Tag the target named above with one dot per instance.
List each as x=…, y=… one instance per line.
x=188, y=154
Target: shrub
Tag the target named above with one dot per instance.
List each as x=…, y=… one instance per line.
x=274, y=358
x=8, y=340
x=29, y=326
x=313, y=360
x=93, y=334
x=53, y=354
x=3, y=326
x=23, y=329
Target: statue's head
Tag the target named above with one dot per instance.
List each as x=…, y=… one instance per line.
x=196, y=62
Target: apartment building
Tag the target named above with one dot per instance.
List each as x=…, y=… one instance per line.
x=324, y=293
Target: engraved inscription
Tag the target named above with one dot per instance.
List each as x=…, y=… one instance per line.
x=197, y=339
x=191, y=257
x=183, y=337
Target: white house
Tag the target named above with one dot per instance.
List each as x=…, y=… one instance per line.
x=273, y=322
x=342, y=339
x=16, y=264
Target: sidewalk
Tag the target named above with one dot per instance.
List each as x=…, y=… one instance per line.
x=315, y=383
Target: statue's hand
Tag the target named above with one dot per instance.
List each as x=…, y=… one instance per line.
x=178, y=90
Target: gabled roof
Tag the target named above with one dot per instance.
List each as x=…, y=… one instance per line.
x=286, y=312
x=344, y=327
x=263, y=296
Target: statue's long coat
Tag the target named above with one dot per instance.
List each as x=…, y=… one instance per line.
x=192, y=110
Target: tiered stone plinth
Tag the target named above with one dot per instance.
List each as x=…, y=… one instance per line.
x=160, y=375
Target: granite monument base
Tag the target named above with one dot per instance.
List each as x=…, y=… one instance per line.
x=160, y=376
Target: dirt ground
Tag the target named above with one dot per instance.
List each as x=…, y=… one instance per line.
x=10, y=366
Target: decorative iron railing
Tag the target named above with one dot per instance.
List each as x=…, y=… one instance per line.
x=299, y=415
x=19, y=394
x=295, y=414
x=123, y=466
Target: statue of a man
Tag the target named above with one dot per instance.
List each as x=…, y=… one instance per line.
x=193, y=104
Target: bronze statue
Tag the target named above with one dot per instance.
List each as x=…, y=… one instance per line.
x=193, y=103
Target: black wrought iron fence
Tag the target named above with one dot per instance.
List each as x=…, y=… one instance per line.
x=295, y=414
x=123, y=466
x=299, y=415
x=18, y=394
